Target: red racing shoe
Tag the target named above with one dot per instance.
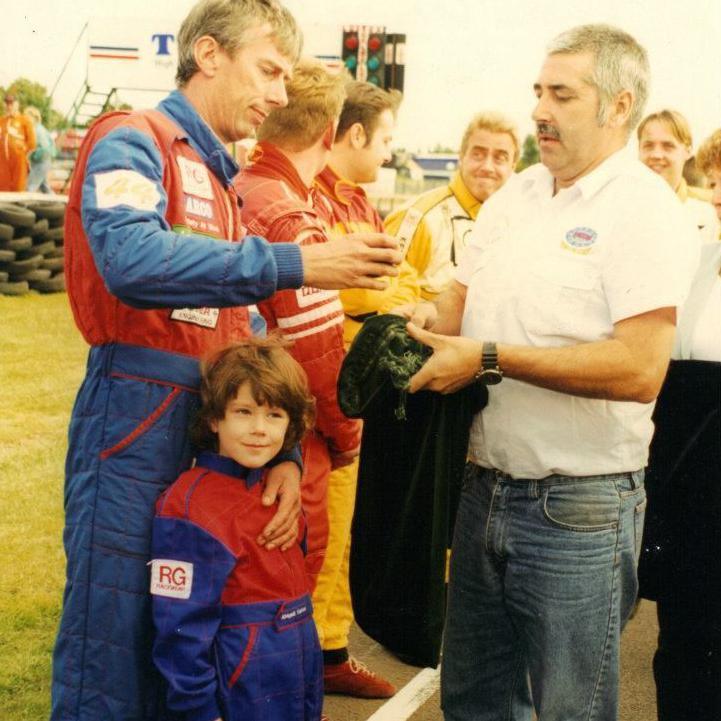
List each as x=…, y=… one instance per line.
x=354, y=678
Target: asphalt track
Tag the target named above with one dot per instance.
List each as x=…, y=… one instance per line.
x=418, y=698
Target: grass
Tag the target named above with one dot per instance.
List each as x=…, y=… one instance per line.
x=42, y=357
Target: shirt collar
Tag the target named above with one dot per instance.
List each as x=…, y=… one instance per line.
x=589, y=184
x=609, y=169
x=338, y=188
x=468, y=202
x=198, y=133
x=268, y=156
x=229, y=467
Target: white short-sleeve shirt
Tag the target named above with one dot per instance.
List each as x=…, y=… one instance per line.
x=703, y=217
x=549, y=271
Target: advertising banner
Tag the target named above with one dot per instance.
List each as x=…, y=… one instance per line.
x=138, y=54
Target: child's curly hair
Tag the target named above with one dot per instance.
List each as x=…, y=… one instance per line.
x=275, y=378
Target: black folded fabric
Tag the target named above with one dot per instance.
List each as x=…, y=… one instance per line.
x=681, y=547
x=412, y=457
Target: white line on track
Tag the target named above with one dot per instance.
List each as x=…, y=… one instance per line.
x=410, y=698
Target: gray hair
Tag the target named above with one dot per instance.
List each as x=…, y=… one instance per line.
x=620, y=64
x=228, y=22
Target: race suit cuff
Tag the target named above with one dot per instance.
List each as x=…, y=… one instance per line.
x=294, y=455
x=290, y=265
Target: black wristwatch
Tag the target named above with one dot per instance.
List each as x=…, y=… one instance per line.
x=489, y=373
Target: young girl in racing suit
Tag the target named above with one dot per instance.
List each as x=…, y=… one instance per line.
x=235, y=633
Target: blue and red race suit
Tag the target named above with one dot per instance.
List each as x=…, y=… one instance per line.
x=235, y=633
x=154, y=284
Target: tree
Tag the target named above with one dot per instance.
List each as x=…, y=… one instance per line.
x=31, y=93
x=530, y=154
x=446, y=149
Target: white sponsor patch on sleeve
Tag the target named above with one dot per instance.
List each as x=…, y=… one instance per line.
x=194, y=178
x=173, y=579
x=310, y=296
x=125, y=187
x=204, y=317
x=407, y=230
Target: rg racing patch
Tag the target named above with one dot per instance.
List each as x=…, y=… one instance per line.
x=169, y=578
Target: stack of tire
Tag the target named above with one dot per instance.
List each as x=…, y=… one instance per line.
x=31, y=247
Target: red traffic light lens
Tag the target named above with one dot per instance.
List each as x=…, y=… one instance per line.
x=374, y=42
x=351, y=42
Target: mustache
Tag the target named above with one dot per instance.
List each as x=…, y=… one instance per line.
x=547, y=130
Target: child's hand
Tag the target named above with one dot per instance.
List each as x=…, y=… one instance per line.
x=282, y=485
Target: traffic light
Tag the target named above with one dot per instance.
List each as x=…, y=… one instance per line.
x=349, y=52
x=395, y=61
x=363, y=52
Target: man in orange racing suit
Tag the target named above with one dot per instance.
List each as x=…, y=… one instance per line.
x=17, y=139
x=361, y=146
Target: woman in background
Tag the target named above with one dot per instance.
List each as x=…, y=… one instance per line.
x=664, y=145
x=40, y=158
x=684, y=490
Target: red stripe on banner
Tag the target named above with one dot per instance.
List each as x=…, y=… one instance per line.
x=115, y=57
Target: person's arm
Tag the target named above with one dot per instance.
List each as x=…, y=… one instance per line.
x=148, y=265
x=282, y=486
x=404, y=289
x=31, y=140
x=188, y=574
x=418, y=254
x=630, y=366
x=357, y=260
x=442, y=316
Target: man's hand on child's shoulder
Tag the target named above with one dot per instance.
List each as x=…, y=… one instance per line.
x=282, y=486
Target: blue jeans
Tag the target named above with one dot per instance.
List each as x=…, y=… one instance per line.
x=543, y=579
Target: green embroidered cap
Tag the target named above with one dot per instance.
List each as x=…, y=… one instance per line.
x=382, y=357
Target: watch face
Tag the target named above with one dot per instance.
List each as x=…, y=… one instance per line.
x=491, y=377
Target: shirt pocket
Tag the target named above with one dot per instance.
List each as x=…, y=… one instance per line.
x=562, y=298
x=493, y=273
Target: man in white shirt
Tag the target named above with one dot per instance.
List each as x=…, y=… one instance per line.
x=566, y=303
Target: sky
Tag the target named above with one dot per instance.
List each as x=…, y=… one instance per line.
x=462, y=56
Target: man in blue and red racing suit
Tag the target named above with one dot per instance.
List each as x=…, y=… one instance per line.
x=157, y=277
x=279, y=202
